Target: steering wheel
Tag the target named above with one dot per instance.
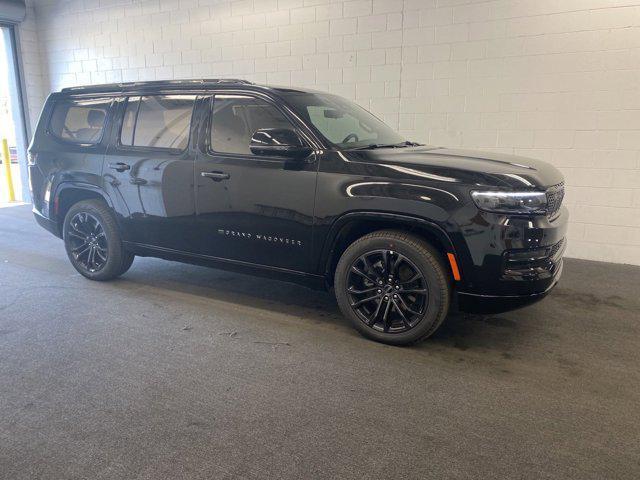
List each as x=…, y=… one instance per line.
x=351, y=136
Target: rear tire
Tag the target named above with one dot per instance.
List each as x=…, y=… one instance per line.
x=93, y=242
x=393, y=286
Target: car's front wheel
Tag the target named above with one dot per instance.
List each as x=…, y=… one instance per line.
x=93, y=242
x=393, y=287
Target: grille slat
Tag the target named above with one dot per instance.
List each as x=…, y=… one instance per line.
x=555, y=196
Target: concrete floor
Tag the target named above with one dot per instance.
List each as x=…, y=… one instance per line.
x=176, y=371
x=17, y=186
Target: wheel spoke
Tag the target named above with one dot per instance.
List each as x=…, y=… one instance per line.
x=357, y=271
x=368, y=268
x=91, y=260
x=77, y=229
x=75, y=250
x=360, y=292
x=405, y=321
x=396, y=264
x=406, y=307
x=364, y=300
x=385, y=317
x=102, y=256
x=78, y=254
x=387, y=262
x=414, y=290
x=76, y=235
x=374, y=318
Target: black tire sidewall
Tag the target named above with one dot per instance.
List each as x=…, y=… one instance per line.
x=426, y=261
x=115, y=255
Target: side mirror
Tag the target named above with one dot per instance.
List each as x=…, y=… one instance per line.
x=280, y=142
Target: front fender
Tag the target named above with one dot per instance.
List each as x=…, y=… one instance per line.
x=390, y=220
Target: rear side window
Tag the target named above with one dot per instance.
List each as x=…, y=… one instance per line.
x=157, y=121
x=80, y=121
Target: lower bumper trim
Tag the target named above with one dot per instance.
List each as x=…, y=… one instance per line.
x=532, y=296
x=47, y=223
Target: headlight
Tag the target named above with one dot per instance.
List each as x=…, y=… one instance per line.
x=511, y=202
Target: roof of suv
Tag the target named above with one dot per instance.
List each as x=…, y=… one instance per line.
x=171, y=85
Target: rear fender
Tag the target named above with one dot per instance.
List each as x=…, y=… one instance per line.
x=76, y=191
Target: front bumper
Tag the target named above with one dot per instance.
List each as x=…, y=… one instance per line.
x=477, y=303
x=512, y=258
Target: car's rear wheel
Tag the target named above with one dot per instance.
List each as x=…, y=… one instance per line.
x=393, y=287
x=93, y=242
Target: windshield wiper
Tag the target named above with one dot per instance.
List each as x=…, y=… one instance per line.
x=373, y=146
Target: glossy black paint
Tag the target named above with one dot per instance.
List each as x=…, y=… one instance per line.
x=289, y=216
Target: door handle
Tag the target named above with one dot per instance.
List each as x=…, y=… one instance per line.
x=216, y=176
x=120, y=166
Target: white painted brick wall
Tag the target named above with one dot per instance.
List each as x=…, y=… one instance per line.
x=35, y=84
x=553, y=79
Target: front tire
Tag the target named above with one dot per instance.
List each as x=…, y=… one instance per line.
x=393, y=287
x=93, y=242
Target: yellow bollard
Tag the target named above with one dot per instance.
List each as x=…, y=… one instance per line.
x=6, y=160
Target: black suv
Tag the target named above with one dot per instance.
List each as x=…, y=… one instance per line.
x=298, y=185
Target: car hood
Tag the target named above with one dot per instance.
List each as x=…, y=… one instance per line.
x=461, y=166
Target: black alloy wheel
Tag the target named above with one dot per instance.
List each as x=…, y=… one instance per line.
x=393, y=286
x=88, y=242
x=387, y=291
x=93, y=241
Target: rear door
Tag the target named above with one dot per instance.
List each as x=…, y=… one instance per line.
x=148, y=170
x=251, y=208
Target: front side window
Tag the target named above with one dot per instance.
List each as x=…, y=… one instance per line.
x=341, y=122
x=157, y=121
x=80, y=121
x=237, y=117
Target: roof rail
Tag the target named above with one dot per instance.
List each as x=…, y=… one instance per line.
x=168, y=83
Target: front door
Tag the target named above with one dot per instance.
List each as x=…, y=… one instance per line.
x=251, y=208
x=149, y=172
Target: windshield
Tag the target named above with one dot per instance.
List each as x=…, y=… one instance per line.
x=341, y=122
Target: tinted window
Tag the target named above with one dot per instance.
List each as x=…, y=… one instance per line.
x=236, y=118
x=341, y=122
x=157, y=121
x=80, y=121
x=338, y=126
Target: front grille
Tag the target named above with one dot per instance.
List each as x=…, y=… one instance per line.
x=553, y=250
x=555, y=195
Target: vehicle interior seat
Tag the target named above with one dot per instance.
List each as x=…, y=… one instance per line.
x=95, y=120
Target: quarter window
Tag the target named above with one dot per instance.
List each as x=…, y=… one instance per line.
x=157, y=121
x=80, y=121
x=237, y=117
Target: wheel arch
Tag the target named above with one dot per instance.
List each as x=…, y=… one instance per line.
x=69, y=193
x=354, y=225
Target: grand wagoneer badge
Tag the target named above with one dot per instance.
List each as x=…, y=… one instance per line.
x=260, y=237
